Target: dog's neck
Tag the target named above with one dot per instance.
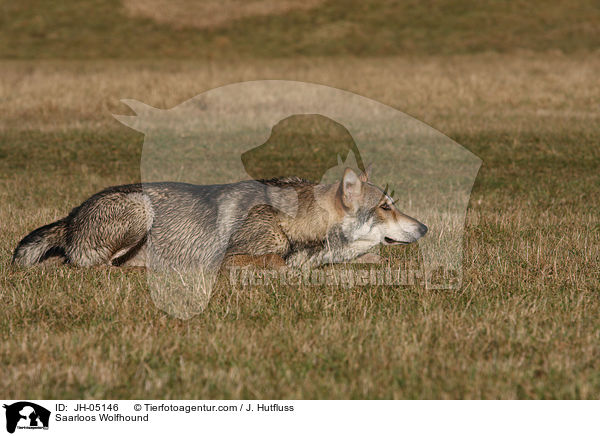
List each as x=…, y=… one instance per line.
x=318, y=212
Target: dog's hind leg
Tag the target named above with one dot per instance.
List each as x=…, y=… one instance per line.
x=134, y=256
x=114, y=227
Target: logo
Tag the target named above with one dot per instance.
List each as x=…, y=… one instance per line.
x=26, y=415
x=262, y=132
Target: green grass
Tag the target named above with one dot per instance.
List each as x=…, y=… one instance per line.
x=524, y=325
x=515, y=82
x=89, y=29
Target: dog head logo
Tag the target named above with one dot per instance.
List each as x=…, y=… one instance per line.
x=311, y=144
x=264, y=129
x=26, y=415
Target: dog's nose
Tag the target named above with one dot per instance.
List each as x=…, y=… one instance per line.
x=422, y=229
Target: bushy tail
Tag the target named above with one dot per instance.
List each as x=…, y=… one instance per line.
x=49, y=240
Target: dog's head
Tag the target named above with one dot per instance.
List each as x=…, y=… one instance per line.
x=370, y=214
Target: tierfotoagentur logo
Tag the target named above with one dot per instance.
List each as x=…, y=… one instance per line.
x=240, y=277
x=292, y=176
x=25, y=415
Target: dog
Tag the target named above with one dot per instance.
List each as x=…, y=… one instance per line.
x=176, y=225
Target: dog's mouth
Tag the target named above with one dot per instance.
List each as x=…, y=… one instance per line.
x=390, y=241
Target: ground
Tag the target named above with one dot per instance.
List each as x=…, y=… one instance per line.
x=524, y=325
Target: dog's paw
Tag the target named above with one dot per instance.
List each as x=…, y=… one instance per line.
x=368, y=258
x=268, y=261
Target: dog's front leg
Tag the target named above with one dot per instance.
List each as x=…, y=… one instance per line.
x=368, y=258
x=327, y=253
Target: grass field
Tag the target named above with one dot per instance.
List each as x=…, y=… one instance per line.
x=525, y=323
x=93, y=29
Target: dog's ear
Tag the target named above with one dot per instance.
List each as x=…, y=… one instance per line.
x=351, y=189
x=364, y=177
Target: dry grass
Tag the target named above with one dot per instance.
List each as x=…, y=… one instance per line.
x=524, y=325
x=453, y=93
x=211, y=13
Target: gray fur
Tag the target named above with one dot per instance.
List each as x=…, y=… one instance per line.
x=165, y=225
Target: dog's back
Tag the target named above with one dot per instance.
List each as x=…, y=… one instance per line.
x=194, y=224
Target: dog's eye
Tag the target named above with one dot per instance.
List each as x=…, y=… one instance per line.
x=385, y=206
